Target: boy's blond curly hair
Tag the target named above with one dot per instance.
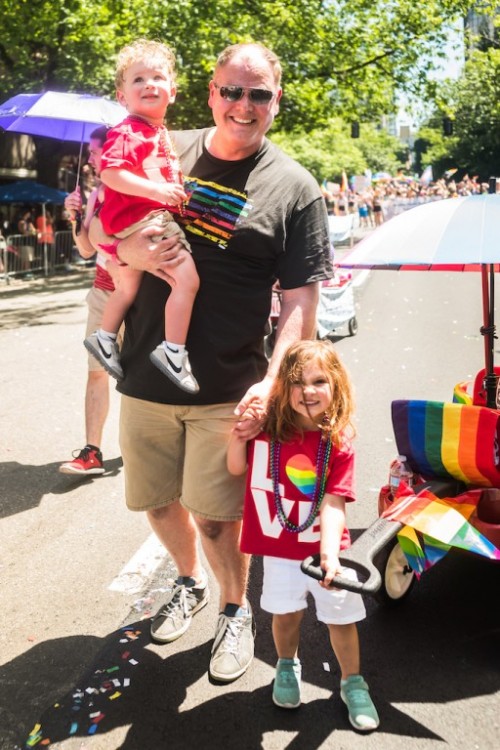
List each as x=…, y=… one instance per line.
x=143, y=49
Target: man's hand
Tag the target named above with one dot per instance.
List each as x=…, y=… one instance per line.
x=255, y=398
x=73, y=203
x=141, y=252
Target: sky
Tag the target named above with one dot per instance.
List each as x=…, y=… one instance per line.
x=450, y=67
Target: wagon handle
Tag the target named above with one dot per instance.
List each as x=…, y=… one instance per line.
x=359, y=557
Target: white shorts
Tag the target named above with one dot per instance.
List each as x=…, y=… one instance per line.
x=285, y=589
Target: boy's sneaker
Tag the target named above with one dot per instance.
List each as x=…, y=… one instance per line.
x=107, y=353
x=286, y=688
x=362, y=713
x=233, y=646
x=178, y=370
x=175, y=615
x=87, y=461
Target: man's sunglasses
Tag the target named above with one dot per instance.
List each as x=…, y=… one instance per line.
x=235, y=93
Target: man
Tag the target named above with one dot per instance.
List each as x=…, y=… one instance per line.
x=254, y=216
x=89, y=460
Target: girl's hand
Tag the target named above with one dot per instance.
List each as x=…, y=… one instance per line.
x=249, y=424
x=332, y=567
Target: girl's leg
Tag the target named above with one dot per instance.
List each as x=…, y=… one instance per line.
x=286, y=634
x=102, y=344
x=353, y=688
x=345, y=644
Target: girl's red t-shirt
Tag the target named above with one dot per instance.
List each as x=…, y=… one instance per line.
x=262, y=533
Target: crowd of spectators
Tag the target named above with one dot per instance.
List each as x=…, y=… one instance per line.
x=389, y=196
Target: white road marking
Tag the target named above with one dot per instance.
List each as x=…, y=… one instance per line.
x=135, y=574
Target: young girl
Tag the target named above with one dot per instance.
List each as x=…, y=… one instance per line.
x=300, y=475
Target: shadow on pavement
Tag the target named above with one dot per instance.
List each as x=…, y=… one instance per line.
x=22, y=486
x=437, y=647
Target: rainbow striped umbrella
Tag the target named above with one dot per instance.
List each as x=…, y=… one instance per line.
x=454, y=234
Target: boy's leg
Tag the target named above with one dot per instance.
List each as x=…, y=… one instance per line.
x=171, y=357
x=180, y=302
x=127, y=286
x=102, y=343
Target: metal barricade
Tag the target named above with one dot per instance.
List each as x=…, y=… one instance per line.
x=22, y=255
x=65, y=250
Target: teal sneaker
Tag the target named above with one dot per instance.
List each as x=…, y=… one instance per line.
x=362, y=713
x=286, y=688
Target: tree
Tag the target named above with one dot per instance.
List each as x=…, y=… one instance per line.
x=345, y=58
x=349, y=56
x=328, y=151
x=473, y=102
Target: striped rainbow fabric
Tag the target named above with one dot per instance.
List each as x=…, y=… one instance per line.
x=449, y=439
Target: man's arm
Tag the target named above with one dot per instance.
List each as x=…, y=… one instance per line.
x=297, y=321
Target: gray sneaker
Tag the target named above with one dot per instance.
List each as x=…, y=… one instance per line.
x=107, y=353
x=233, y=646
x=178, y=372
x=175, y=615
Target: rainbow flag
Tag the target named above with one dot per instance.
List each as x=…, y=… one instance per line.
x=419, y=551
x=446, y=439
x=460, y=394
x=434, y=525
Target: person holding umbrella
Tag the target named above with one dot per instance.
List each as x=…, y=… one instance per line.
x=89, y=460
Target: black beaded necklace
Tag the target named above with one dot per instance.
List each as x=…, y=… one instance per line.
x=322, y=460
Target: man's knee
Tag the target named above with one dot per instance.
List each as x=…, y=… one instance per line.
x=210, y=529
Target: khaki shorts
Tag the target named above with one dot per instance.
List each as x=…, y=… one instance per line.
x=96, y=302
x=179, y=452
x=163, y=219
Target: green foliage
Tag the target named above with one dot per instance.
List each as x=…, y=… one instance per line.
x=341, y=59
x=344, y=57
x=473, y=102
x=327, y=152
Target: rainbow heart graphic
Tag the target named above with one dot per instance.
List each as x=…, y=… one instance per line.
x=302, y=473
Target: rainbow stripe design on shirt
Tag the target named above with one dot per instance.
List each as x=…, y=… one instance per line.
x=449, y=439
x=213, y=211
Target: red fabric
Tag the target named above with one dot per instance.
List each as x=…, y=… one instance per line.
x=262, y=533
x=102, y=279
x=145, y=150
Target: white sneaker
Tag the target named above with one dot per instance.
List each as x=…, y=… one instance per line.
x=180, y=374
x=106, y=352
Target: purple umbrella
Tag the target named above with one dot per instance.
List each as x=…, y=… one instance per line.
x=55, y=114
x=60, y=115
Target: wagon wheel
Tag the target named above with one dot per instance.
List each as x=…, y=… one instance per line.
x=353, y=326
x=397, y=576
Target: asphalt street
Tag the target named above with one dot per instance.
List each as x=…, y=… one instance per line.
x=81, y=575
